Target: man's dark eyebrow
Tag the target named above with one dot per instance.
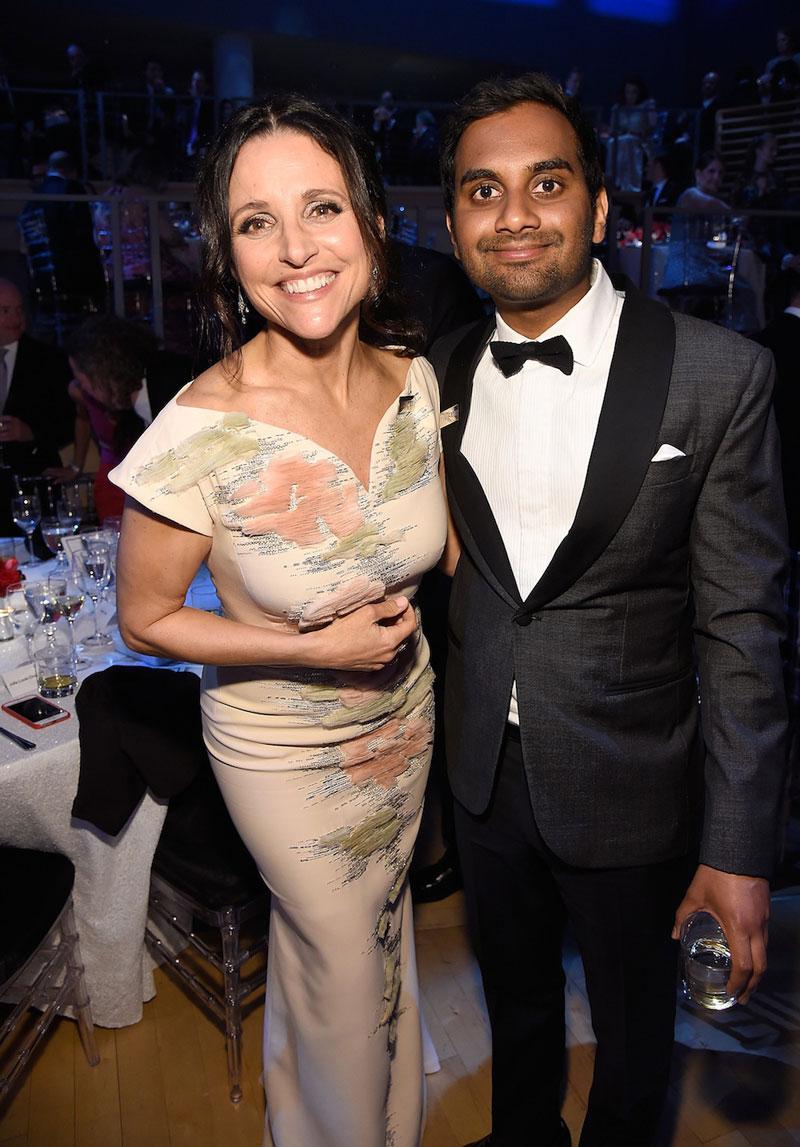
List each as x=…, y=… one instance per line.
x=474, y=173
x=554, y=164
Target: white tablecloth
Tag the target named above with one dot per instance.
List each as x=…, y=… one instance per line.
x=112, y=874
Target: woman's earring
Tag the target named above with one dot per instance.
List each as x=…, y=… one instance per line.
x=242, y=306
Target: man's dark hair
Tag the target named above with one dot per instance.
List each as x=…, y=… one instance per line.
x=490, y=97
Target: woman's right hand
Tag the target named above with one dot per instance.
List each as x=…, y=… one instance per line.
x=365, y=640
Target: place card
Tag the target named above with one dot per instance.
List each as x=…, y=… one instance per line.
x=21, y=681
x=72, y=546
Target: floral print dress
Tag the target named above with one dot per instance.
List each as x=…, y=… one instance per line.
x=323, y=772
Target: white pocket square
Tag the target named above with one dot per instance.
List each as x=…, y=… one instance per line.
x=665, y=452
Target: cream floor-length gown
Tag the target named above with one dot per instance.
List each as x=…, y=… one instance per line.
x=323, y=772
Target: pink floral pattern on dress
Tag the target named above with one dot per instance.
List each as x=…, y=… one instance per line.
x=383, y=755
x=293, y=497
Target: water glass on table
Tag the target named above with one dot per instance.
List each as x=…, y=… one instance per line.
x=21, y=612
x=26, y=510
x=706, y=959
x=52, y=533
x=92, y=570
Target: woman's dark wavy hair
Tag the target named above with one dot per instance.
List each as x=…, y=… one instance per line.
x=114, y=353
x=222, y=329
x=489, y=97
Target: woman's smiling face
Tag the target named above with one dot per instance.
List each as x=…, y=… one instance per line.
x=297, y=247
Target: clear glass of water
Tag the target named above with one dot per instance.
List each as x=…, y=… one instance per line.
x=26, y=510
x=706, y=959
x=93, y=573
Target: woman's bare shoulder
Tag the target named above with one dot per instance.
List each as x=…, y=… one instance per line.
x=212, y=390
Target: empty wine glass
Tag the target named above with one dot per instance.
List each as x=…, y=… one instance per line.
x=69, y=508
x=23, y=616
x=93, y=573
x=26, y=510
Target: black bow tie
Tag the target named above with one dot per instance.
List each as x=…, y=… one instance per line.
x=552, y=352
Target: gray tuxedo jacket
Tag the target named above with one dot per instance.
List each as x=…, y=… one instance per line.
x=671, y=574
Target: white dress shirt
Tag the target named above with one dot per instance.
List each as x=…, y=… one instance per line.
x=528, y=438
x=141, y=403
x=10, y=361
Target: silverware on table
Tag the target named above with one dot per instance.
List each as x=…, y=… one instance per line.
x=23, y=744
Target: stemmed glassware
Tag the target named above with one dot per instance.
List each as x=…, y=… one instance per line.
x=52, y=533
x=70, y=598
x=26, y=510
x=22, y=615
x=69, y=508
x=93, y=573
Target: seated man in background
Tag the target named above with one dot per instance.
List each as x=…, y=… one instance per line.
x=36, y=414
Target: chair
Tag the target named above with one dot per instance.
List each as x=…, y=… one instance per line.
x=40, y=961
x=202, y=874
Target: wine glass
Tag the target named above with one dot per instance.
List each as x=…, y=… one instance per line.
x=93, y=573
x=69, y=508
x=42, y=601
x=26, y=510
x=70, y=602
x=52, y=533
x=22, y=615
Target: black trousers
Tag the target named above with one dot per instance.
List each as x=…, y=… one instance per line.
x=519, y=896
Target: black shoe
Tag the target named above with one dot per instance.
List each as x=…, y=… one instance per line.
x=436, y=881
x=564, y=1139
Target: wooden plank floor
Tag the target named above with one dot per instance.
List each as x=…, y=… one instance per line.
x=162, y=1083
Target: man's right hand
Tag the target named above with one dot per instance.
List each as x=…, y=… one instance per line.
x=365, y=640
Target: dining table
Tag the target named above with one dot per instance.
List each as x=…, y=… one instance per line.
x=112, y=873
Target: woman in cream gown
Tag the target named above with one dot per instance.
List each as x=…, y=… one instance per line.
x=304, y=469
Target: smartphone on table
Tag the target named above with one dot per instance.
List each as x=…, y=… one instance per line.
x=35, y=712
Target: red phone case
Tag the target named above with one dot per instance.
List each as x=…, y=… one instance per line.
x=33, y=724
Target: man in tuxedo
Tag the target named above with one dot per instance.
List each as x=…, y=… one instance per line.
x=36, y=413
x=616, y=487
x=663, y=190
x=782, y=336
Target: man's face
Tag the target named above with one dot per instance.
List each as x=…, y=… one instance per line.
x=522, y=223
x=710, y=85
x=12, y=314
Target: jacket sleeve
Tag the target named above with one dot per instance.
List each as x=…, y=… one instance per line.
x=738, y=561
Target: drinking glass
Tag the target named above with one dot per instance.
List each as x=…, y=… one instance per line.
x=21, y=613
x=706, y=962
x=26, y=510
x=52, y=533
x=93, y=573
x=70, y=602
x=53, y=660
x=43, y=601
x=69, y=509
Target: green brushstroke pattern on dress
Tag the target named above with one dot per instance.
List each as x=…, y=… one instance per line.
x=363, y=543
x=200, y=454
x=408, y=453
x=400, y=701
x=374, y=832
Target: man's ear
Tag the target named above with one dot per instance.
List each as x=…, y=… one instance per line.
x=451, y=232
x=600, y=216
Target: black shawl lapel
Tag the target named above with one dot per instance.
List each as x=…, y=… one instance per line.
x=471, y=510
x=624, y=444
